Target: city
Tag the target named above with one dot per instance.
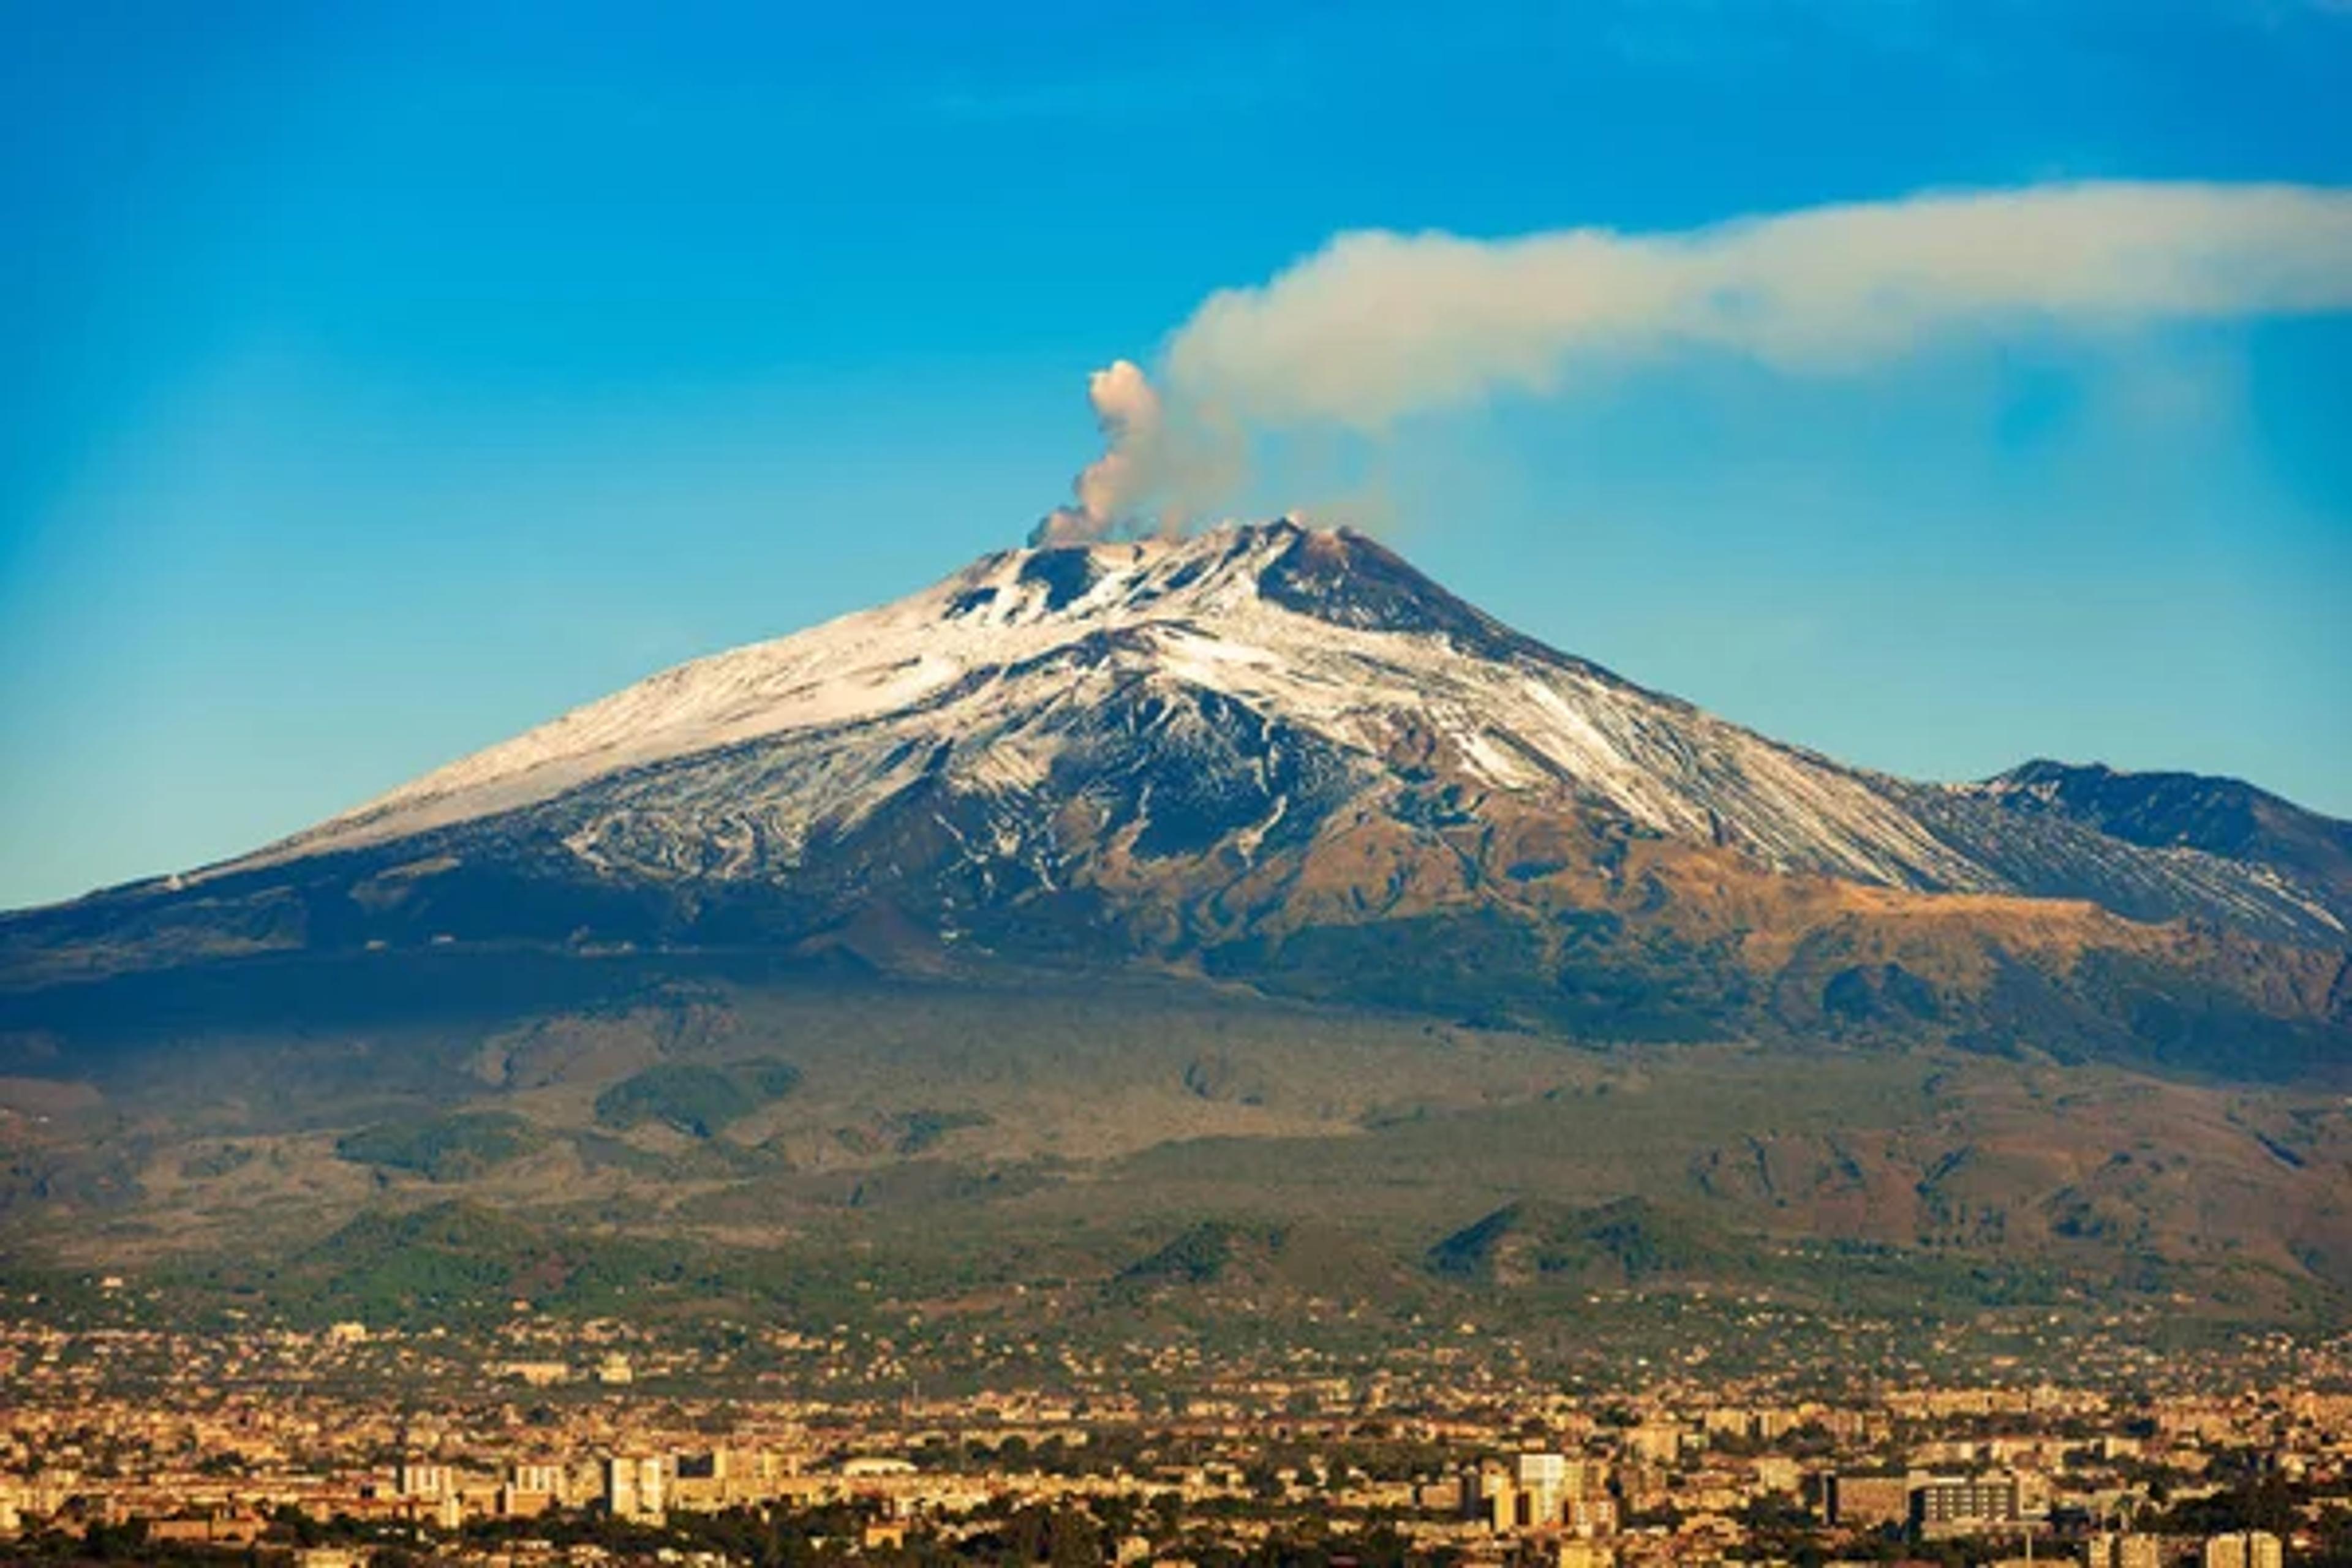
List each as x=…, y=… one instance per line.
x=550, y=1442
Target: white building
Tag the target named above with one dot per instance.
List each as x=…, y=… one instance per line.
x=2248, y=1549
x=636, y=1487
x=416, y=1478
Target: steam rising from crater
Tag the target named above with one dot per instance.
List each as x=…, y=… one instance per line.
x=1109, y=489
x=1377, y=326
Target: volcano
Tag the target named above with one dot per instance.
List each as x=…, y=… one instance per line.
x=1282, y=757
x=791, y=911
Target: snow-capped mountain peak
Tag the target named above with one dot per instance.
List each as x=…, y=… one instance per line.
x=1228, y=693
x=1328, y=632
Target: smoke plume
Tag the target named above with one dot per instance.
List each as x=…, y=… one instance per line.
x=1109, y=489
x=1377, y=326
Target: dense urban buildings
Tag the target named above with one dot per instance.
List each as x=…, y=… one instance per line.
x=541, y=1441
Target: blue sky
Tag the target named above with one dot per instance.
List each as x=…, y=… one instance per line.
x=378, y=381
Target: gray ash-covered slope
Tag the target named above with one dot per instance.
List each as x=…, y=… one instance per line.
x=1280, y=756
x=2125, y=850
x=2178, y=813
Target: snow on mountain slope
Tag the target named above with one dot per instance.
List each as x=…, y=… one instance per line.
x=1239, y=688
x=1274, y=618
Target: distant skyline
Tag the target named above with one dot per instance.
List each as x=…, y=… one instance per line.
x=378, y=382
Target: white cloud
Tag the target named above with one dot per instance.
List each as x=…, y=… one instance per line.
x=1377, y=325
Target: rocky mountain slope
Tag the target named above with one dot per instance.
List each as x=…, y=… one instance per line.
x=2172, y=811
x=1283, y=758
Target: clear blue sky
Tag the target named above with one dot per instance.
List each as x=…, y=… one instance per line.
x=376, y=381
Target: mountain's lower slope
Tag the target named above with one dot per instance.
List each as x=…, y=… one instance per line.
x=953, y=1140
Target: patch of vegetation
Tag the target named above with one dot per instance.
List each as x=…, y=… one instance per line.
x=770, y=1076
x=1266, y=1263
x=918, y=1129
x=700, y=1101
x=463, y=1263
x=1591, y=976
x=1627, y=1242
x=218, y=1161
x=1200, y=1254
x=453, y=1148
x=425, y=1257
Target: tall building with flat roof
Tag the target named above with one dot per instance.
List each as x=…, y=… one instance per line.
x=537, y=1476
x=2123, y=1550
x=634, y=1487
x=2245, y=1549
x=1956, y=1505
x=418, y=1478
x=1861, y=1501
x=1542, y=1483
